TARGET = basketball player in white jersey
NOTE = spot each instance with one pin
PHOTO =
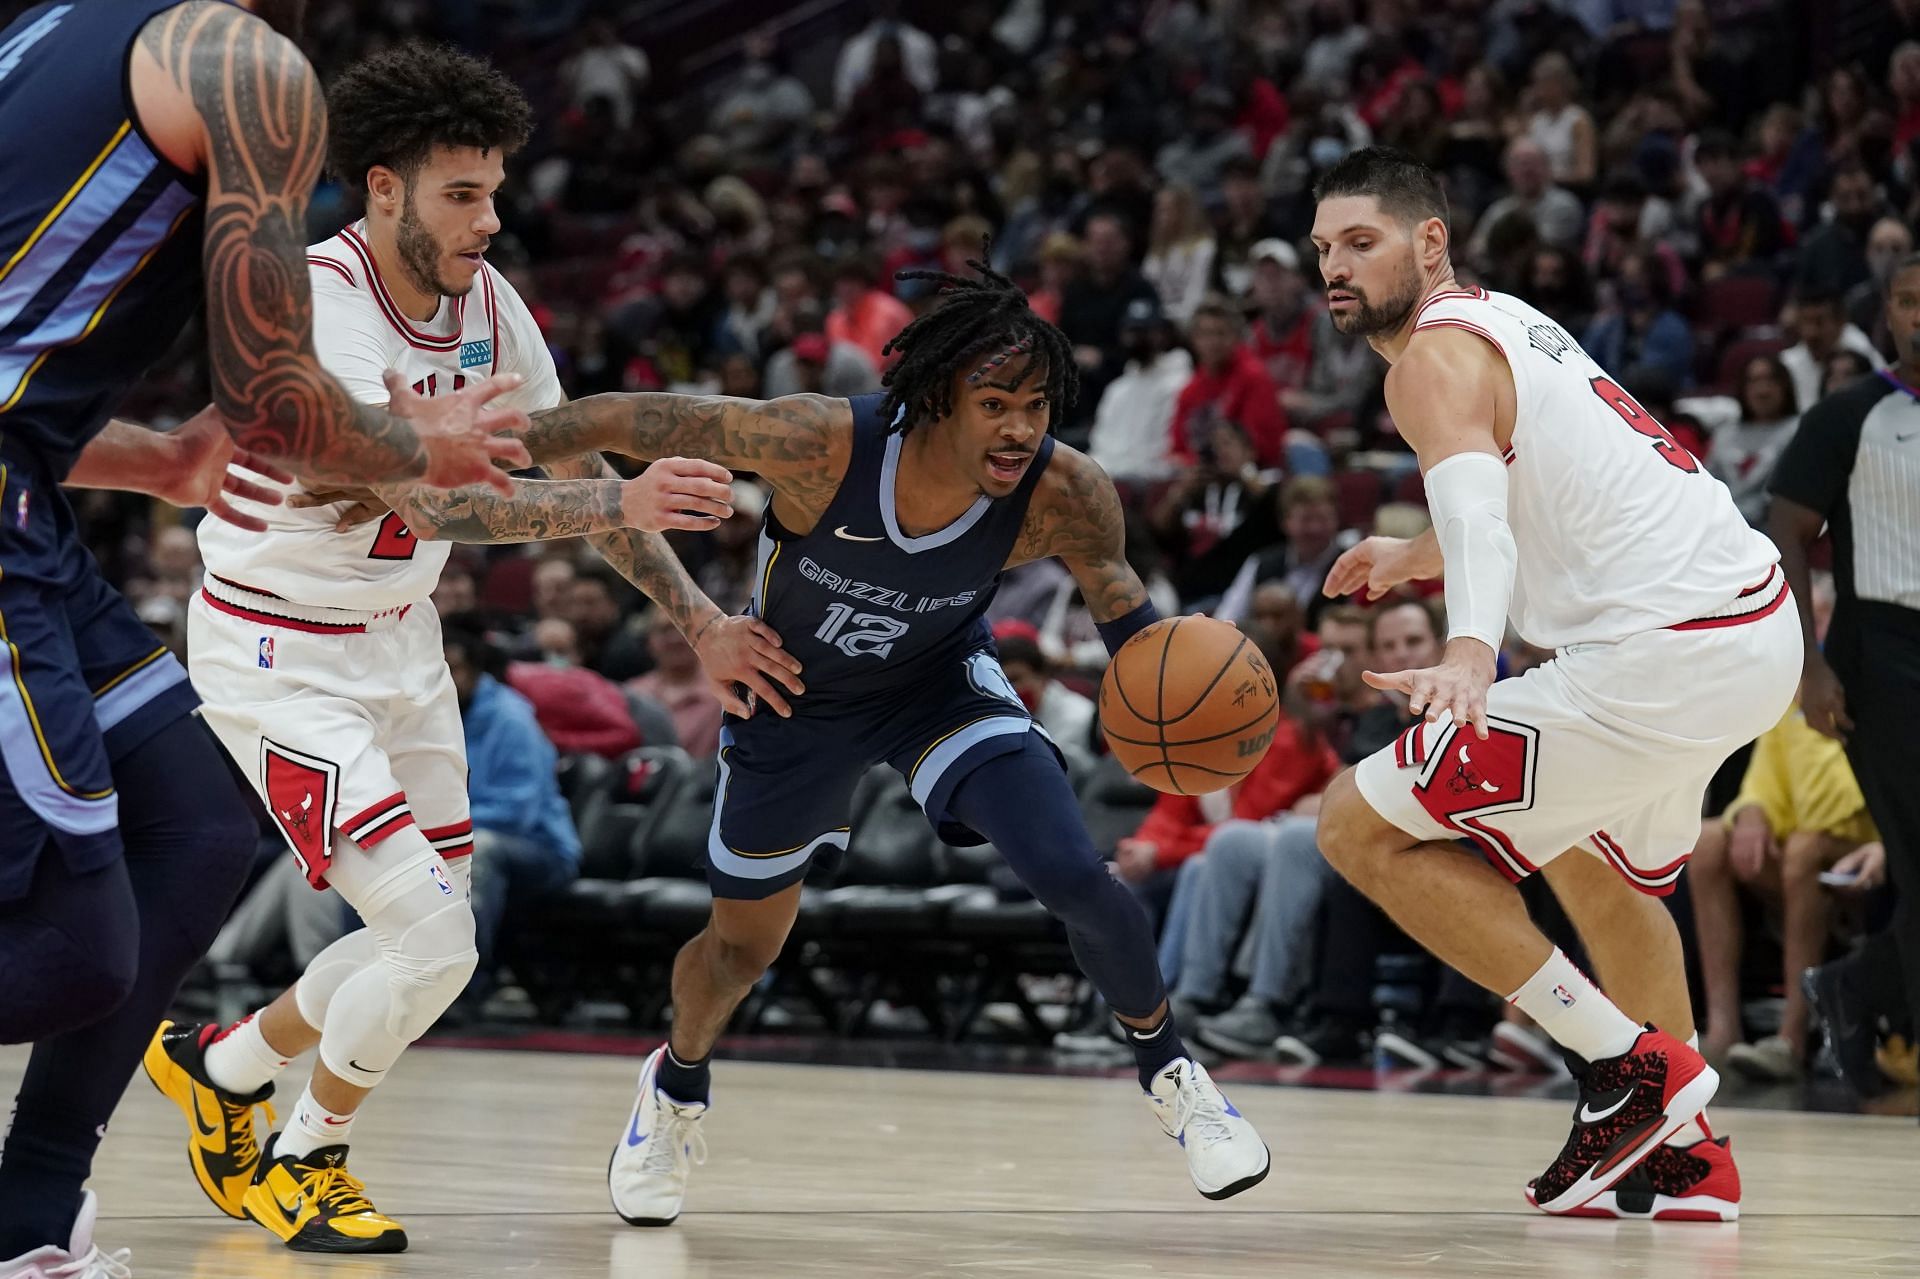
(319, 657)
(1561, 507)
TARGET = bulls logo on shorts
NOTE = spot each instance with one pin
(300, 791)
(1465, 782)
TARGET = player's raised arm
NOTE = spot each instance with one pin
(1076, 517)
(247, 104)
(798, 442)
(1448, 392)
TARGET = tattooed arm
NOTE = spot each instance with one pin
(733, 650)
(1075, 515)
(797, 443)
(224, 95)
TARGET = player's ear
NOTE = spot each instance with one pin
(1433, 242)
(385, 189)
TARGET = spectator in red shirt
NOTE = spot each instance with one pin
(864, 315)
(1229, 382)
(1282, 333)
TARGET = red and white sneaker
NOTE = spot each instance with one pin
(1674, 1183)
(1628, 1106)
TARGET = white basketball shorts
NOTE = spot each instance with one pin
(343, 721)
(1607, 747)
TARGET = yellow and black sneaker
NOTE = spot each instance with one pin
(222, 1147)
(315, 1205)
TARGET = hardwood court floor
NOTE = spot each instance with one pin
(495, 1162)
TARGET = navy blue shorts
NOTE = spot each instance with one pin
(786, 785)
(86, 682)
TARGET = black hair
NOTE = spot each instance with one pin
(1019, 649)
(1819, 293)
(1906, 262)
(394, 107)
(986, 316)
(1405, 188)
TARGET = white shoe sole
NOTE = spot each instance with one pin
(1686, 1105)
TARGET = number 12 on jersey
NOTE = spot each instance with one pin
(872, 635)
(1671, 450)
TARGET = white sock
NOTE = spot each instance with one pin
(241, 1060)
(1694, 1129)
(1573, 1011)
(311, 1127)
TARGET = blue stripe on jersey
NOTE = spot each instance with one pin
(57, 289)
(99, 191)
(81, 308)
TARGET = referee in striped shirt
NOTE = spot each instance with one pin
(1854, 467)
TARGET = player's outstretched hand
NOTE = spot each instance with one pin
(200, 474)
(1458, 684)
(745, 652)
(1378, 564)
(463, 433)
(1822, 700)
(678, 492)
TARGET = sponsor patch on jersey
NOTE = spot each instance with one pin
(472, 353)
(266, 652)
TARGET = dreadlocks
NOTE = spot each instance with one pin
(987, 319)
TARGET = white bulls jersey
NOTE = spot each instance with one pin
(1619, 529)
(359, 333)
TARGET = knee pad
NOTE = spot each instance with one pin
(428, 967)
(329, 970)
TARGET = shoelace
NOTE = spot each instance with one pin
(97, 1265)
(1201, 1111)
(338, 1189)
(238, 1115)
(677, 1145)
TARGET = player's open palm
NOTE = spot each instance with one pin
(744, 652)
(678, 493)
(465, 432)
(201, 474)
(1458, 685)
(1377, 564)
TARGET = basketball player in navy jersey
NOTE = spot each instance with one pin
(893, 517)
(155, 151)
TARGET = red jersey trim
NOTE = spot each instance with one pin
(395, 316)
(493, 320)
(314, 259)
(1469, 295)
(1447, 322)
(378, 822)
(1751, 599)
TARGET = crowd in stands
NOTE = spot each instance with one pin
(1707, 194)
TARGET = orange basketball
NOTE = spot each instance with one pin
(1189, 705)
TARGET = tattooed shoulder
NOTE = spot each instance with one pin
(1075, 511)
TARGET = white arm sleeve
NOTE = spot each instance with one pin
(1467, 494)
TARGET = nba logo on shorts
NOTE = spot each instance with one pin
(1564, 995)
(266, 652)
(440, 878)
(20, 510)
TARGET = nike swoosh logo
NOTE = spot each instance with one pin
(1902, 439)
(369, 1069)
(1590, 1116)
(854, 537)
(634, 1136)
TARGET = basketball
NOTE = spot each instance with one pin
(1189, 705)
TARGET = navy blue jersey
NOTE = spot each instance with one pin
(867, 609)
(99, 236)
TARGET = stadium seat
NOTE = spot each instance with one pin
(1114, 804)
(1357, 497)
(1734, 303)
(1734, 357)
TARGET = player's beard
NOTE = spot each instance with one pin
(420, 255)
(1369, 319)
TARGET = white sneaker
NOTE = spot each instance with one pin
(80, 1259)
(647, 1175)
(1224, 1154)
